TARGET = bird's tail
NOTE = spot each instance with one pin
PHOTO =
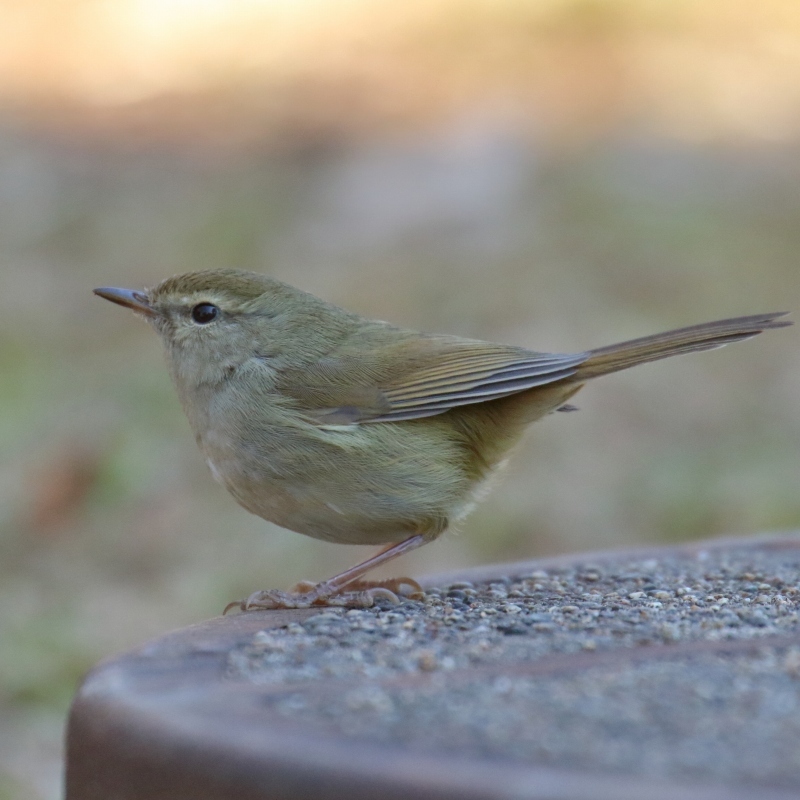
(707, 336)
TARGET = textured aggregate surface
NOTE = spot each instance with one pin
(585, 667)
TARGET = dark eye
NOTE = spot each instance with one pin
(203, 313)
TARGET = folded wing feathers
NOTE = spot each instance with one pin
(465, 377)
(423, 398)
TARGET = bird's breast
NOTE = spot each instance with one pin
(363, 484)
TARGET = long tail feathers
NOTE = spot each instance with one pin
(707, 336)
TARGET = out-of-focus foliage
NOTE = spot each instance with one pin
(558, 175)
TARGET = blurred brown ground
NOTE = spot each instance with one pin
(553, 174)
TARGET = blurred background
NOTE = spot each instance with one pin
(557, 174)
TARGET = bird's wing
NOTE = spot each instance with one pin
(424, 377)
(472, 377)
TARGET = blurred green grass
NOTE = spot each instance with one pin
(111, 529)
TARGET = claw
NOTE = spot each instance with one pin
(234, 604)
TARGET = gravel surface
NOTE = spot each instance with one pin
(586, 667)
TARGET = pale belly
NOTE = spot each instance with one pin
(359, 485)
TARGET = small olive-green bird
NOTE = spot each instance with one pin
(353, 430)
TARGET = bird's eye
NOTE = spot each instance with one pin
(203, 313)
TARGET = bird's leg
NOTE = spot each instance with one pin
(392, 584)
(335, 591)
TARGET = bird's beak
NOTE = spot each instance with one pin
(128, 298)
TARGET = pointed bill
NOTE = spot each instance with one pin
(128, 298)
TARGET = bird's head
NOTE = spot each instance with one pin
(214, 322)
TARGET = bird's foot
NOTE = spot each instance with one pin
(356, 594)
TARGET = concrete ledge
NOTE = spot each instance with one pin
(658, 673)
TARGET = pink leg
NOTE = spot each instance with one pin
(329, 592)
